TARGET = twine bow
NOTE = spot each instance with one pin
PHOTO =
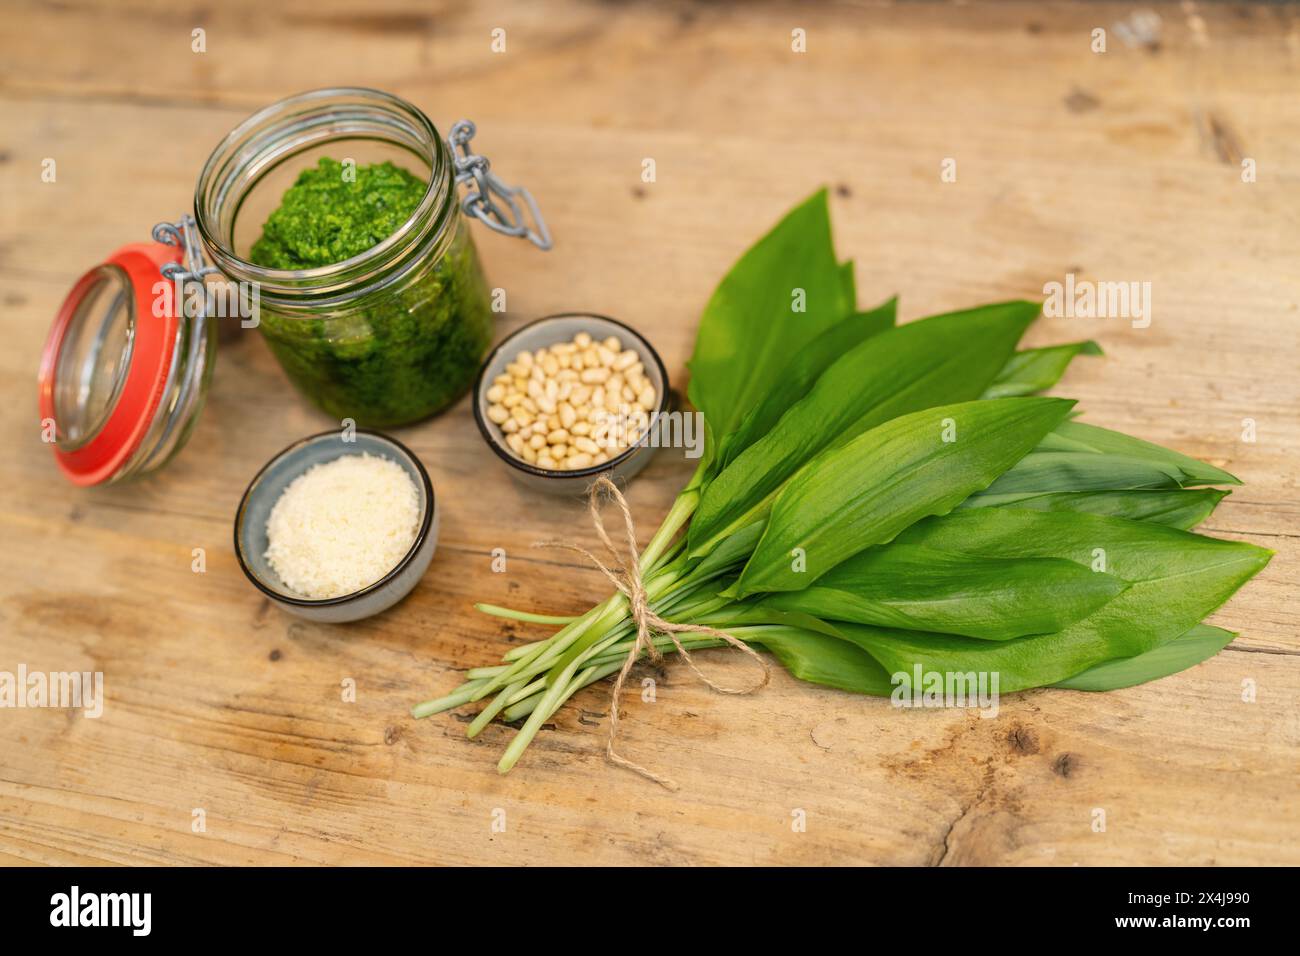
(627, 578)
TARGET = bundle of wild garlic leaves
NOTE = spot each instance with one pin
(881, 503)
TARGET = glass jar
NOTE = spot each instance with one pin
(387, 337)
(391, 335)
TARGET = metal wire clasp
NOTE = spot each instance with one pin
(480, 203)
(184, 233)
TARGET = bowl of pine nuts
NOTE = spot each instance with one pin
(570, 397)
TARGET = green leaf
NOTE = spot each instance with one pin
(872, 322)
(1036, 370)
(864, 493)
(1199, 644)
(1176, 579)
(943, 359)
(749, 332)
(1077, 437)
(924, 589)
(802, 372)
(732, 551)
(747, 614)
(849, 284)
(820, 659)
(1178, 507)
(1079, 457)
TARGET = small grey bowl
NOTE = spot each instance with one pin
(265, 490)
(549, 331)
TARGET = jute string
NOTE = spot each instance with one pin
(626, 576)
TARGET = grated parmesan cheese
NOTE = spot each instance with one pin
(342, 525)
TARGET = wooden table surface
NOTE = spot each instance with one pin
(1122, 165)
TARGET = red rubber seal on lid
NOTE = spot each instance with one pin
(153, 344)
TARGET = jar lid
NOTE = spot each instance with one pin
(107, 361)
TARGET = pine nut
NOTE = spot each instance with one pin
(573, 404)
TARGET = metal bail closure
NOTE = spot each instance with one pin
(109, 394)
(487, 188)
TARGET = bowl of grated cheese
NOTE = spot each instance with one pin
(338, 526)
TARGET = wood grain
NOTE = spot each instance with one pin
(1116, 166)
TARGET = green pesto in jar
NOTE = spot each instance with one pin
(397, 354)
